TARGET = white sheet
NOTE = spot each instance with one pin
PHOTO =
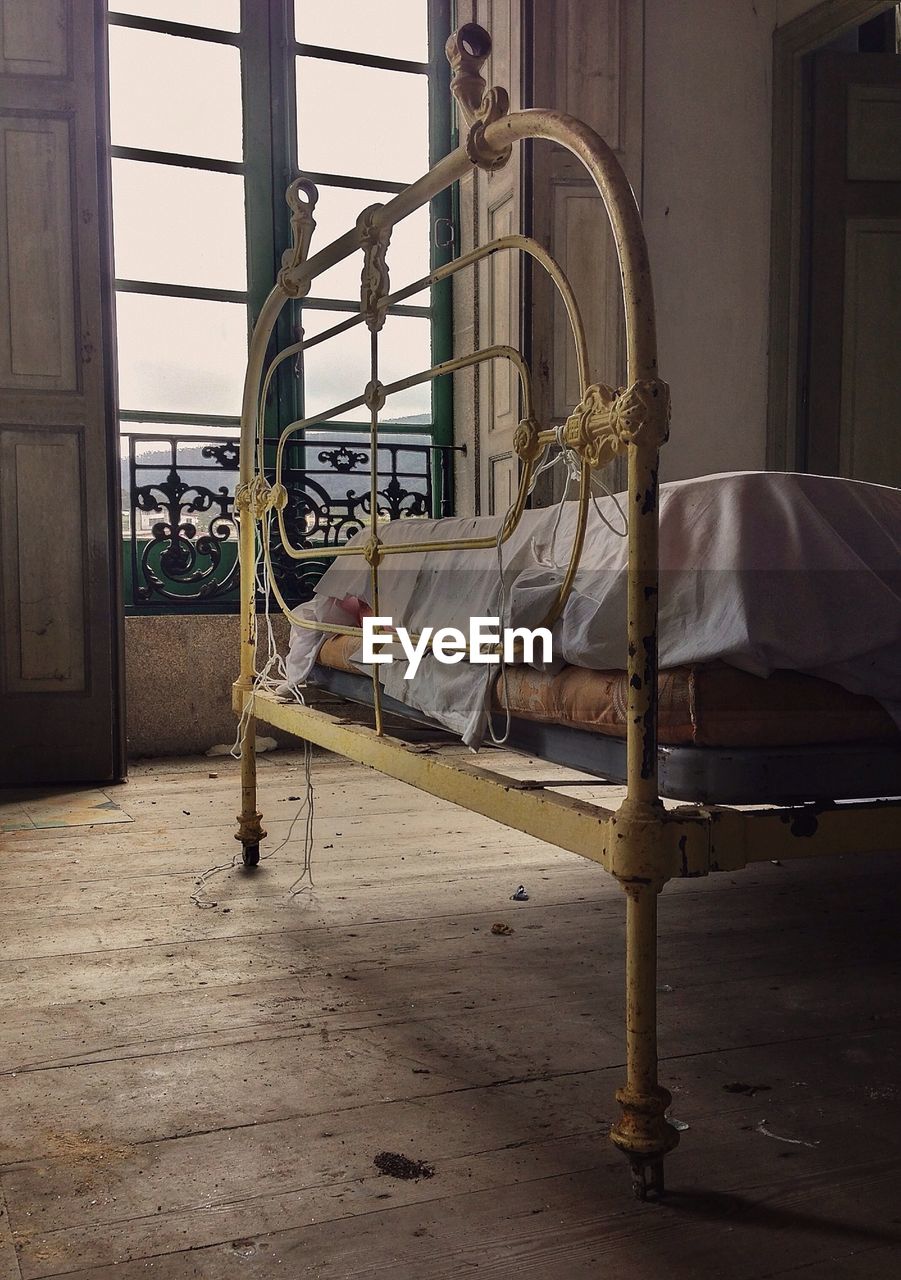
(763, 570)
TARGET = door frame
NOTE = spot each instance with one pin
(803, 35)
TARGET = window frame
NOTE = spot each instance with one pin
(268, 53)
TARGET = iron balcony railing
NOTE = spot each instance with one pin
(178, 518)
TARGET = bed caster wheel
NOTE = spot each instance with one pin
(251, 855)
(647, 1179)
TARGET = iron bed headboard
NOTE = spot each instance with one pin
(641, 843)
(604, 423)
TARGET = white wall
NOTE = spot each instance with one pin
(707, 152)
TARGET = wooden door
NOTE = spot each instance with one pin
(60, 666)
(852, 392)
(587, 60)
(500, 214)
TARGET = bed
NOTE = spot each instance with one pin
(804, 762)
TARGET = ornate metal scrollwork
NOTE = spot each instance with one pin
(495, 105)
(258, 496)
(375, 284)
(343, 459)
(301, 197)
(225, 454)
(526, 442)
(606, 421)
(177, 561)
(174, 563)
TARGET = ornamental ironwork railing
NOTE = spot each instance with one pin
(178, 519)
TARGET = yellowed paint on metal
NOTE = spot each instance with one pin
(641, 843)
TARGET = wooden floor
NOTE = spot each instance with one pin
(202, 1093)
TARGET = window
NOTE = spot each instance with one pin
(215, 106)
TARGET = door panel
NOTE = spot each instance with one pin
(853, 381)
(590, 65)
(34, 38)
(44, 593)
(579, 221)
(870, 422)
(874, 132)
(60, 639)
(37, 306)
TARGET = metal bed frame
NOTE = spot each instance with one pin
(642, 844)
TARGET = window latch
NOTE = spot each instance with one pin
(443, 233)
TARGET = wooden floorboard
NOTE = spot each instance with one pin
(202, 1093)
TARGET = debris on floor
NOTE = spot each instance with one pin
(738, 1086)
(245, 1248)
(796, 1142)
(397, 1166)
(502, 930)
(520, 895)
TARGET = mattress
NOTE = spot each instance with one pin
(761, 573)
(701, 704)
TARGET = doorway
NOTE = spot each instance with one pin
(835, 381)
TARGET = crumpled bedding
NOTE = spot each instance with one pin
(762, 570)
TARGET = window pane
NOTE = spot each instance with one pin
(408, 253)
(172, 94)
(362, 122)
(181, 355)
(222, 15)
(391, 28)
(179, 226)
(338, 370)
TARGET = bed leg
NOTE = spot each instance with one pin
(643, 1133)
(250, 830)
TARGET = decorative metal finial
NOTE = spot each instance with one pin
(467, 51)
(301, 197)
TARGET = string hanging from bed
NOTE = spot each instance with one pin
(572, 465)
(271, 676)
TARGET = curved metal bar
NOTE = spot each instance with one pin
(524, 244)
(641, 351)
(448, 366)
(497, 351)
(622, 211)
(554, 126)
(609, 178)
(295, 349)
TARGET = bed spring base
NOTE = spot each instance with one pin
(650, 845)
(698, 775)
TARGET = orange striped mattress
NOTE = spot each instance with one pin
(705, 705)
